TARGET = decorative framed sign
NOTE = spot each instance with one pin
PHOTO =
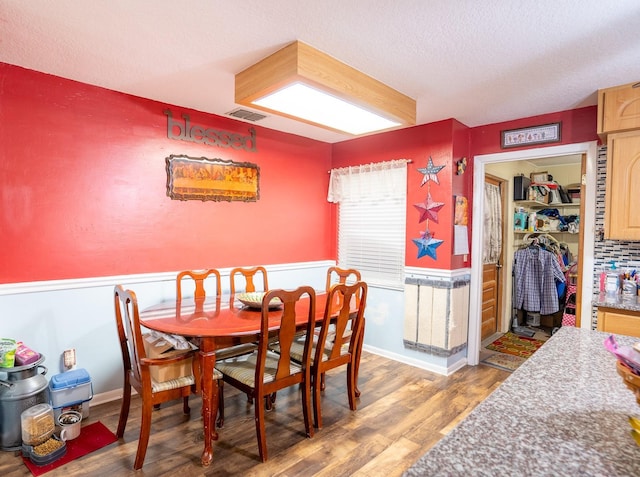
(533, 135)
(191, 178)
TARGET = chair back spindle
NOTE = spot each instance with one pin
(250, 275)
(198, 279)
(343, 276)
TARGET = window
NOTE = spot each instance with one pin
(372, 220)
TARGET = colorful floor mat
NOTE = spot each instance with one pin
(515, 345)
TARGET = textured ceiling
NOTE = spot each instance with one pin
(479, 61)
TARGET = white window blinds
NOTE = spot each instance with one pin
(372, 220)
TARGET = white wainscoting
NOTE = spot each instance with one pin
(53, 316)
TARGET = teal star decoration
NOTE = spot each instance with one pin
(430, 172)
(429, 209)
(427, 245)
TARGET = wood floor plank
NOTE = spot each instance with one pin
(403, 411)
(391, 461)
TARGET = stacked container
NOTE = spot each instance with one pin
(71, 391)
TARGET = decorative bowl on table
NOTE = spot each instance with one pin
(254, 300)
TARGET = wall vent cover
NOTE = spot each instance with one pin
(246, 114)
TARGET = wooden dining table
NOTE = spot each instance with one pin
(218, 322)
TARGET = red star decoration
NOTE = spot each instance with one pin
(429, 209)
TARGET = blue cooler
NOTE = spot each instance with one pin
(71, 391)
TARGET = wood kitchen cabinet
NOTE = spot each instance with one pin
(618, 109)
(622, 216)
(617, 321)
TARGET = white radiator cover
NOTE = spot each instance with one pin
(436, 315)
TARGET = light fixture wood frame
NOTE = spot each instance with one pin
(299, 62)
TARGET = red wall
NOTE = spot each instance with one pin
(417, 143)
(83, 184)
(578, 125)
(83, 188)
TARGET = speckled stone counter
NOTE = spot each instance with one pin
(620, 302)
(562, 413)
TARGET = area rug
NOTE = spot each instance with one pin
(515, 345)
(91, 438)
(507, 362)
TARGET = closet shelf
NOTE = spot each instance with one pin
(553, 232)
(541, 205)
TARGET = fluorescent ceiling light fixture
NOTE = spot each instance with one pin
(316, 106)
(302, 83)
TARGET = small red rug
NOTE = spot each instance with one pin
(91, 438)
(507, 362)
(515, 345)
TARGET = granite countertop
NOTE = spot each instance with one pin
(621, 302)
(562, 413)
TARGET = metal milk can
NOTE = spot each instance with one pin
(21, 387)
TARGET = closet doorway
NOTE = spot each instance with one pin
(585, 240)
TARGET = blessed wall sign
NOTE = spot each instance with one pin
(184, 130)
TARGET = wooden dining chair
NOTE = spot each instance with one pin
(345, 276)
(250, 275)
(137, 371)
(338, 342)
(264, 372)
(198, 280)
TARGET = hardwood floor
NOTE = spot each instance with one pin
(402, 412)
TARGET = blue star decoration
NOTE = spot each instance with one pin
(430, 172)
(427, 245)
(429, 209)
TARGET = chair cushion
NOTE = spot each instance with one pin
(179, 382)
(172, 383)
(243, 368)
(297, 350)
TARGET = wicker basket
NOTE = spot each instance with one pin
(630, 379)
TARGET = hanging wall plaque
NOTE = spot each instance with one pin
(190, 178)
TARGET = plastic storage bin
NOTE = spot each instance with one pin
(37, 424)
(70, 388)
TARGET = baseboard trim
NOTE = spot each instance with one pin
(416, 363)
(109, 396)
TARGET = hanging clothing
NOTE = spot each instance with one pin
(536, 271)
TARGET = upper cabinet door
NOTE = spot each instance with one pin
(622, 216)
(618, 109)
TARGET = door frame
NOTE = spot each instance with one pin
(588, 223)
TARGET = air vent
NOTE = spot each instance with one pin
(246, 114)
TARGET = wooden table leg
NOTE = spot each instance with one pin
(209, 388)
